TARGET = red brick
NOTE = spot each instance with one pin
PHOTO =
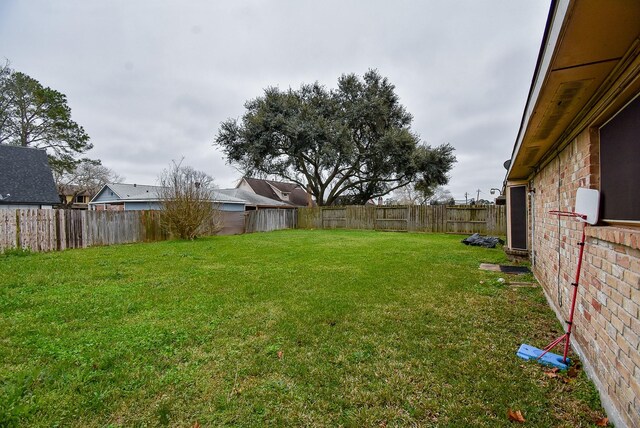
(607, 332)
(625, 374)
(616, 297)
(635, 359)
(632, 279)
(623, 345)
(631, 336)
(635, 387)
(631, 307)
(612, 281)
(624, 317)
(617, 323)
(613, 334)
(623, 261)
(624, 290)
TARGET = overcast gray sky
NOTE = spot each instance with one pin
(150, 81)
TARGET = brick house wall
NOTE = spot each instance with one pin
(606, 324)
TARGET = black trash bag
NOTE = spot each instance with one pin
(482, 241)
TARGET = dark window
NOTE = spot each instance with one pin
(80, 199)
(620, 165)
(518, 217)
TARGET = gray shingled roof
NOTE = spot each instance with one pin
(254, 199)
(135, 192)
(142, 192)
(297, 195)
(26, 176)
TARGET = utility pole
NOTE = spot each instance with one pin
(466, 200)
(478, 195)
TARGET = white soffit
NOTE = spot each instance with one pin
(555, 27)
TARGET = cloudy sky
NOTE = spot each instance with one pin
(150, 81)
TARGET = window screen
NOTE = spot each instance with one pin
(518, 217)
(620, 165)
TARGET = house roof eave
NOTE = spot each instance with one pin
(557, 13)
(587, 47)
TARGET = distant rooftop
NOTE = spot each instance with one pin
(253, 199)
(297, 195)
(143, 192)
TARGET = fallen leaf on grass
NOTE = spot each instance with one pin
(553, 373)
(196, 425)
(602, 422)
(515, 416)
(572, 372)
(280, 354)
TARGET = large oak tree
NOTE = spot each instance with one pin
(346, 145)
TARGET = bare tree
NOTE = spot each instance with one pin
(89, 176)
(187, 198)
(409, 195)
(442, 196)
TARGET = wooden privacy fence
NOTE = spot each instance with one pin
(50, 230)
(269, 220)
(486, 219)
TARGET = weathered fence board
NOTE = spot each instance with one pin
(395, 219)
(359, 217)
(270, 219)
(309, 218)
(488, 219)
(334, 218)
(51, 230)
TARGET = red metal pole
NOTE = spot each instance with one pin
(575, 295)
(567, 335)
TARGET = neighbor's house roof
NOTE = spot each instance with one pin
(70, 189)
(584, 48)
(120, 192)
(26, 176)
(297, 195)
(253, 199)
(143, 193)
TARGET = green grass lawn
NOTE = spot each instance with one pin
(289, 328)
